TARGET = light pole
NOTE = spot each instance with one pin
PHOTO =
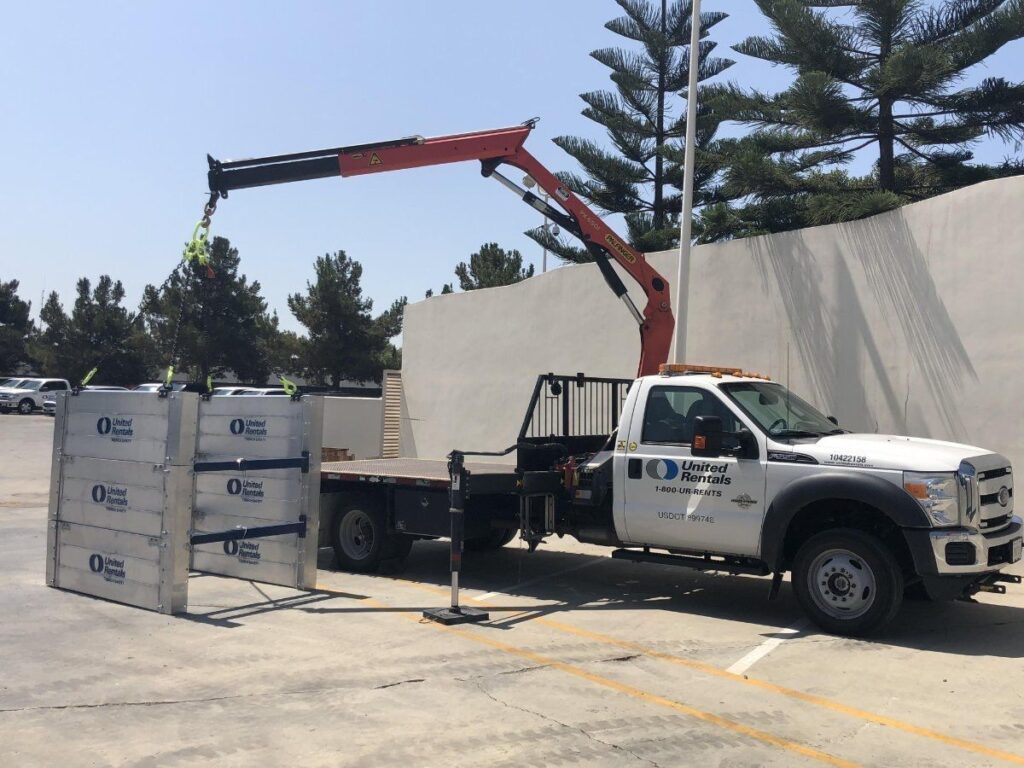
(549, 227)
(686, 218)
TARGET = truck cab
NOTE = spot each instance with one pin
(733, 468)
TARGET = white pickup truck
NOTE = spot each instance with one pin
(28, 395)
(717, 470)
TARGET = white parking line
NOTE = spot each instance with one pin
(766, 647)
(545, 577)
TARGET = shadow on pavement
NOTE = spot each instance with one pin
(574, 582)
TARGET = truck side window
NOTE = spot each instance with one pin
(57, 386)
(670, 413)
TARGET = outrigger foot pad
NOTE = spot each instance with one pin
(449, 615)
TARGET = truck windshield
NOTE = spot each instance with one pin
(778, 411)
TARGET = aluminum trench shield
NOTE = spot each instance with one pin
(120, 497)
(258, 428)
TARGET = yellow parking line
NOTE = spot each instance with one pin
(810, 698)
(638, 693)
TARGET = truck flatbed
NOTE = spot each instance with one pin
(486, 477)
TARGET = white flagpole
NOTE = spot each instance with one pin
(686, 218)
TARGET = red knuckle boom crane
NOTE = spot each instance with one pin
(494, 148)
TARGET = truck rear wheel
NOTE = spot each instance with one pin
(847, 582)
(495, 539)
(360, 538)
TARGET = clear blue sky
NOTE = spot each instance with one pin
(110, 108)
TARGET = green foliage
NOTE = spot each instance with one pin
(491, 266)
(881, 76)
(288, 352)
(446, 288)
(99, 333)
(222, 321)
(345, 340)
(16, 328)
(641, 174)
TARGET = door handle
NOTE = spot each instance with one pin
(633, 469)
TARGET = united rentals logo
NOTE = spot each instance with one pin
(248, 552)
(251, 491)
(110, 568)
(249, 429)
(113, 497)
(688, 471)
(119, 429)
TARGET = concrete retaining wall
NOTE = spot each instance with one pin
(908, 322)
(353, 423)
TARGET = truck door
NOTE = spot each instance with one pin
(671, 498)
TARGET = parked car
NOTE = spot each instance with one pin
(155, 386)
(227, 391)
(11, 383)
(28, 395)
(261, 391)
(50, 398)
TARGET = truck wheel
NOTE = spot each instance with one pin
(360, 538)
(26, 406)
(496, 539)
(847, 582)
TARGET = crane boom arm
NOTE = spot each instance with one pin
(492, 148)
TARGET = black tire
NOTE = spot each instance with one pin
(847, 582)
(360, 538)
(26, 406)
(495, 539)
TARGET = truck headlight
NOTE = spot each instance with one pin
(938, 495)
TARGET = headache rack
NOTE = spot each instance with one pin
(577, 411)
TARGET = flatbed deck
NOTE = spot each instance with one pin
(485, 476)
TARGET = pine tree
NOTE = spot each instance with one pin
(211, 325)
(878, 77)
(491, 266)
(345, 340)
(641, 174)
(98, 333)
(16, 328)
(446, 288)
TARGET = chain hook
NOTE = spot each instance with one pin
(196, 248)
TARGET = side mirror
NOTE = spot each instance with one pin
(707, 436)
(834, 420)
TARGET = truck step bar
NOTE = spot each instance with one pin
(691, 561)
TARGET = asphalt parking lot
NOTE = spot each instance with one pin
(585, 661)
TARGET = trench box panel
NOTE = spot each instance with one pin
(131, 426)
(233, 428)
(253, 427)
(120, 497)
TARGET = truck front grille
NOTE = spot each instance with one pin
(994, 523)
(996, 492)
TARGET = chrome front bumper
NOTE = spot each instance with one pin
(961, 551)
